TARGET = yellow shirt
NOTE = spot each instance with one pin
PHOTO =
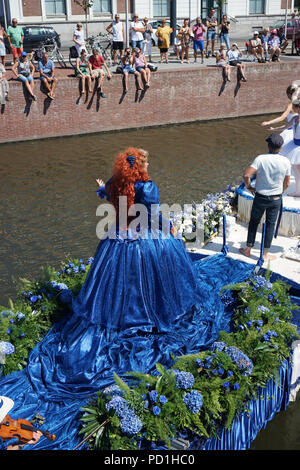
(164, 34)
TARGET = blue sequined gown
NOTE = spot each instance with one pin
(143, 301)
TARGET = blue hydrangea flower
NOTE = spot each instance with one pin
(214, 372)
(90, 260)
(249, 323)
(218, 346)
(119, 405)
(193, 401)
(6, 348)
(229, 373)
(33, 299)
(221, 371)
(226, 385)
(236, 386)
(82, 268)
(262, 309)
(11, 321)
(240, 359)
(184, 380)
(153, 395)
(146, 404)
(163, 399)
(131, 424)
(20, 315)
(113, 390)
(199, 363)
(156, 410)
(75, 269)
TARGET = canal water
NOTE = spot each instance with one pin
(48, 200)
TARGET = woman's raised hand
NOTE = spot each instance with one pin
(100, 182)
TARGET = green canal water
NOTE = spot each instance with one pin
(48, 200)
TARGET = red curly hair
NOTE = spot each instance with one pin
(124, 176)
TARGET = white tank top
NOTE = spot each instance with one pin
(117, 30)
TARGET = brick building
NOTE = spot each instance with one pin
(64, 14)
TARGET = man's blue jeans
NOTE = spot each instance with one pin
(270, 204)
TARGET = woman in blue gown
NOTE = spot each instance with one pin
(142, 302)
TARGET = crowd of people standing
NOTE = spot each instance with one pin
(263, 46)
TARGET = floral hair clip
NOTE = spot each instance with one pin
(131, 160)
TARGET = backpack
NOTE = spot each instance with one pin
(38, 55)
(73, 52)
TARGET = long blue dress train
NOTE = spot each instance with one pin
(143, 301)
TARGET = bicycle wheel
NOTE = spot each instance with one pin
(61, 59)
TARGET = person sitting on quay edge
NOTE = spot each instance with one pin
(97, 61)
(235, 60)
(141, 66)
(47, 75)
(4, 87)
(255, 47)
(272, 179)
(264, 36)
(274, 46)
(84, 72)
(127, 61)
(198, 39)
(221, 61)
(24, 70)
(283, 40)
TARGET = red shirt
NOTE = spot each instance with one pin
(96, 61)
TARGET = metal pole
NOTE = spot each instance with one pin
(4, 14)
(286, 15)
(126, 23)
(173, 19)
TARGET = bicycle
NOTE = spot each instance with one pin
(50, 46)
(103, 43)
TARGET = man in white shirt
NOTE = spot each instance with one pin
(137, 29)
(272, 172)
(116, 28)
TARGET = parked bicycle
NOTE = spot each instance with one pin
(51, 47)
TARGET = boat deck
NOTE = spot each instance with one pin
(236, 238)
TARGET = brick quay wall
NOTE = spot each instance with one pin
(175, 96)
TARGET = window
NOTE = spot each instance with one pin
(161, 8)
(102, 6)
(55, 7)
(257, 7)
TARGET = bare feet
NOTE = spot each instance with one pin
(245, 251)
(267, 256)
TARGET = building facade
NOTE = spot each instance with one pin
(64, 14)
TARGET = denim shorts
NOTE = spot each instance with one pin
(24, 79)
(128, 69)
(211, 35)
(198, 45)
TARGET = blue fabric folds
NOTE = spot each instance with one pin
(143, 301)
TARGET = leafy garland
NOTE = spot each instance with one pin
(201, 392)
(37, 306)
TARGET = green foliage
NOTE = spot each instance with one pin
(38, 305)
(262, 331)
